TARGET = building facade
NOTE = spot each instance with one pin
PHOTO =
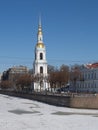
(13, 72)
(40, 63)
(17, 70)
(89, 82)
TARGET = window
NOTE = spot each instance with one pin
(41, 70)
(41, 56)
(92, 76)
(95, 75)
(85, 76)
(88, 76)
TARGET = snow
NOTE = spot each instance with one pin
(24, 114)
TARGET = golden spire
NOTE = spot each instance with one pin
(39, 27)
(40, 35)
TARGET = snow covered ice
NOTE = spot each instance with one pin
(24, 114)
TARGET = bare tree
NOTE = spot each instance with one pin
(38, 78)
(58, 77)
(24, 82)
(63, 75)
(6, 84)
(75, 74)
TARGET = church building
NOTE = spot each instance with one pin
(40, 62)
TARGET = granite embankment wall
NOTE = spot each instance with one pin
(76, 101)
(85, 102)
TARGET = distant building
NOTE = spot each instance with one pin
(11, 73)
(17, 70)
(89, 82)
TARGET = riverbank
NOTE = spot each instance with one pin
(83, 101)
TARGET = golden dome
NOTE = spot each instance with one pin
(40, 33)
(40, 45)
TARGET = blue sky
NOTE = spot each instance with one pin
(70, 31)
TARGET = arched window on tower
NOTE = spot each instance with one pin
(41, 70)
(41, 56)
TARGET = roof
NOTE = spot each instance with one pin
(94, 65)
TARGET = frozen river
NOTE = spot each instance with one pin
(23, 114)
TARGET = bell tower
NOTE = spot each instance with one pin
(40, 62)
